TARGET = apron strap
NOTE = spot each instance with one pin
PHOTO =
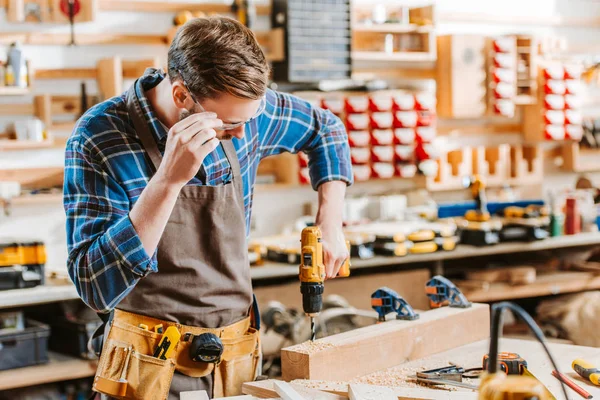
(234, 163)
(135, 112)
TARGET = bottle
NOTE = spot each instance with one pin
(9, 76)
(24, 77)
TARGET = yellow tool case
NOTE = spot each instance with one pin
(21, 264)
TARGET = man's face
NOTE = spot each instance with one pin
(230, 110)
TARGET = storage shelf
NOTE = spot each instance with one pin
(60, 368)
(397, 57)
(392, 28)
(48, 293)
(13, 91)
(14, 145)
(37, 199)
(544, 285)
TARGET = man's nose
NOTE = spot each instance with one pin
(238, 132)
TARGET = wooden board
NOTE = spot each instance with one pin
(513, 275)
(173, 6)
(266, 389)
(63, 39)
(356, 290)
(110, 77)
(370, 392)
(362, 351)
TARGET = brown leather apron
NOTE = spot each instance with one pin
(203, 276)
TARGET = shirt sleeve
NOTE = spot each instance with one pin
(106, 257)
(290, 124)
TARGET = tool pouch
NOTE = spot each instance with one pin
(126, 370)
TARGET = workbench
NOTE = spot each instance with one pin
(467, 356)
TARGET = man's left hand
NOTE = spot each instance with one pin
(335, 251)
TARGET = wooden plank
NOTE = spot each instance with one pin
(173, 6)
(135, 69)
(84, 39)
(370, 392)
(286, 391)
(533, 20)
(9, 110)
(43, 108)
(14, 145)
(13, 91)
(545, 285)
(266, 389)
(513, 275)
(66, 73)
(356, 290)
(360, 352)
(194, 395)
(59, 368)
(34, 178)
(394, 73)
(110, 77)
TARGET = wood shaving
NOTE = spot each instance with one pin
(311, 347)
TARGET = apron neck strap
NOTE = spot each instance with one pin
(234, 162)
(141, 127)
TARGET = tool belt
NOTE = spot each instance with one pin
(128, 370)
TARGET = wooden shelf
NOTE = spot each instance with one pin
(13, 91)
(63, 39)
(172, 6)
(51, 292)
(545, 285)
(524, 99)
(60, 368)
(392, 28)
(14, 145)
(271, 270)
(576, 159)
(37, 199)
(395, 57)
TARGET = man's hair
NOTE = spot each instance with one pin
(218, 55)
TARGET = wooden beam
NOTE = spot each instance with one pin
(84, 39)
(34, 178)
(43, 108)
(266, 389)
(362, 351)
(172, 6)
(110, 77)
(286, 391)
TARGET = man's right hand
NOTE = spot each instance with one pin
(188, 142)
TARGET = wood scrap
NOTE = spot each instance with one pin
(266, 390)
(286, 391)
(362, 351)
(513, 275)
(194, 395)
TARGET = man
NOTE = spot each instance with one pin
(158, 195)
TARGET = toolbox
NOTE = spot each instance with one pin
(21, 253)
(71, 336)
(19, 277)
(23, 348)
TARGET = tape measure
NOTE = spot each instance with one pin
(510, 363)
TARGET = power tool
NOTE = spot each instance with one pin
(384, 300)
(478, 227)
(312, 273)
(442, 292)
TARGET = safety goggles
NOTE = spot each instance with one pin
(225, 127)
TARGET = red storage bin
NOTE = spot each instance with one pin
(404, 153)
(380, 102)
(554, 102)
(382, 153)
(504, 91)
(572, 102)
(573, 117)
(502, 60)
(405, 119)
(505, 75)
(555, 132)
(359, 138)
(406, 170)
(429, 167)
(554, 117)
(574, 132)
(555, 86)
(403, 102)
(356, 104)
(572, 71)
(504, 107)
(303, 159)
(383, 170)
(357, 122)
(573, 86)
(425, 118)
(360, 155)
(425, 134)
(426, 151)
(382, 120)
(382, 137)
(361, 172)
(504, 45)
(425, 101)
(554, 72)
(304, 176)
(335, 104)
(404, 135)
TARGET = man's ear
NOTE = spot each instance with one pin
(181, 97)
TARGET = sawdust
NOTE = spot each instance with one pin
(310, 347)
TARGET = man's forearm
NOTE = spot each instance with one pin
(151, 212)
(331, 203)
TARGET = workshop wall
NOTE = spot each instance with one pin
(269, 216)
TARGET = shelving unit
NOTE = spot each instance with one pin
(14, 145)
(396, 57)
(577, 159)
(51, 292)
(392, 28)
(13, 91)
(37, 199)
(59, 367)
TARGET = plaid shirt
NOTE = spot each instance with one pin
(106, 170)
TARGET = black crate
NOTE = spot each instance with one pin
(19, 277)
(25, 347)
(71, 336)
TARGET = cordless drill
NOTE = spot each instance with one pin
(312, 273)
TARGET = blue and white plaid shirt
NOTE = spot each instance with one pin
(106, 170)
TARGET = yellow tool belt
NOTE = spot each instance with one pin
(127, 369)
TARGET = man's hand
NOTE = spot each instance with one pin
(329, 220)
(189, 141)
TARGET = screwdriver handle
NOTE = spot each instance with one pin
(587, 370)
(345, 268)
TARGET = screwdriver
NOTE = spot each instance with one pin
(587, 370)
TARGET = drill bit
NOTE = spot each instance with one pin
(312, 329)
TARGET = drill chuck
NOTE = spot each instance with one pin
(312, 297)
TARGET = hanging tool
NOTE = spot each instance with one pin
(71, 8)
(587, 371)
(167, 343)
(384, 300)
(442, 292)
(500, 386)
(312, 273)
(510, 363)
